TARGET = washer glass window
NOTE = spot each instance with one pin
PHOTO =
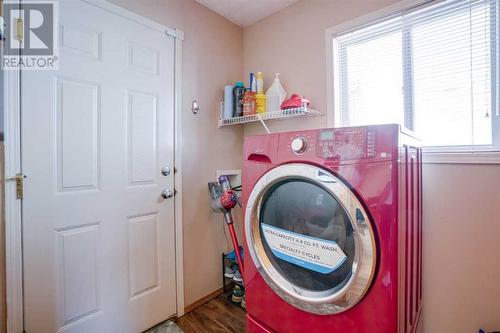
(310, 238)
(306, 209)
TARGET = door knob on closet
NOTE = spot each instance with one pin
(167, 194)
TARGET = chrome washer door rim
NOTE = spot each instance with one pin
(363, 266)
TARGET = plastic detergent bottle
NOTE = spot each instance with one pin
(275, 95)
(260, 103)
(238, 92)
(260, 83)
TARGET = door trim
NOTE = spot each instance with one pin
(13, 231)
(179, 246)
(12, 142)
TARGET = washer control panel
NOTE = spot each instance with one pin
(348, 144)
(299, 145)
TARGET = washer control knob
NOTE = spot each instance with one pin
(299, 145)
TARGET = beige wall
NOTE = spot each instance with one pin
(292, 42)
(461, 248)
(212, 57)
(461, 206)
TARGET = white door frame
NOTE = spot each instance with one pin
(13, 166)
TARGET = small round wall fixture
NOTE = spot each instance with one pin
(195, 107)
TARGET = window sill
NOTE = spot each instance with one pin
(433, 156)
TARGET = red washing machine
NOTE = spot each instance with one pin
(333, 225)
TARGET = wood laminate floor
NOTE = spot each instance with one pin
(217, 316)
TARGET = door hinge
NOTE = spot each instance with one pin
(19, 179)
(20, 30)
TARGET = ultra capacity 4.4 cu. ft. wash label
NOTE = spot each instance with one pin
(316, 254)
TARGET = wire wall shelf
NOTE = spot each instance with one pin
(299, 112)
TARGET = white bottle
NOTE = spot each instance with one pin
(275, 95)
(228, 102)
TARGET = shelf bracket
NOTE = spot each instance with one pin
(263, 124)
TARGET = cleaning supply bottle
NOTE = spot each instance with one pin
(260, 103)
(248, 103)
(260, 83)
(252, 83)
(228, 102)
(238, 92)
(275, 95)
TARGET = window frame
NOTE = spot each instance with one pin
(469, 154)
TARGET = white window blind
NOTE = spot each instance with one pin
(433, 69)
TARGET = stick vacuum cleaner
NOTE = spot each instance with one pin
(223, 200)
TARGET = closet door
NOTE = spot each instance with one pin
(98, 237)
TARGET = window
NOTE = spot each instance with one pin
(433, 69)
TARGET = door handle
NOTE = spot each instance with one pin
(167, 194)
(19, 179)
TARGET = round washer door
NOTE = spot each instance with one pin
(310, 238)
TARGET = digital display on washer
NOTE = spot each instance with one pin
(297, 216)
(326, 135)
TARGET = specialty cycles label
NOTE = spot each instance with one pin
(316, 254)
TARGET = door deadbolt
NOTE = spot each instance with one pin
(165, 171)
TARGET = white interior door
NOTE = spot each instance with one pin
(98, 239)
